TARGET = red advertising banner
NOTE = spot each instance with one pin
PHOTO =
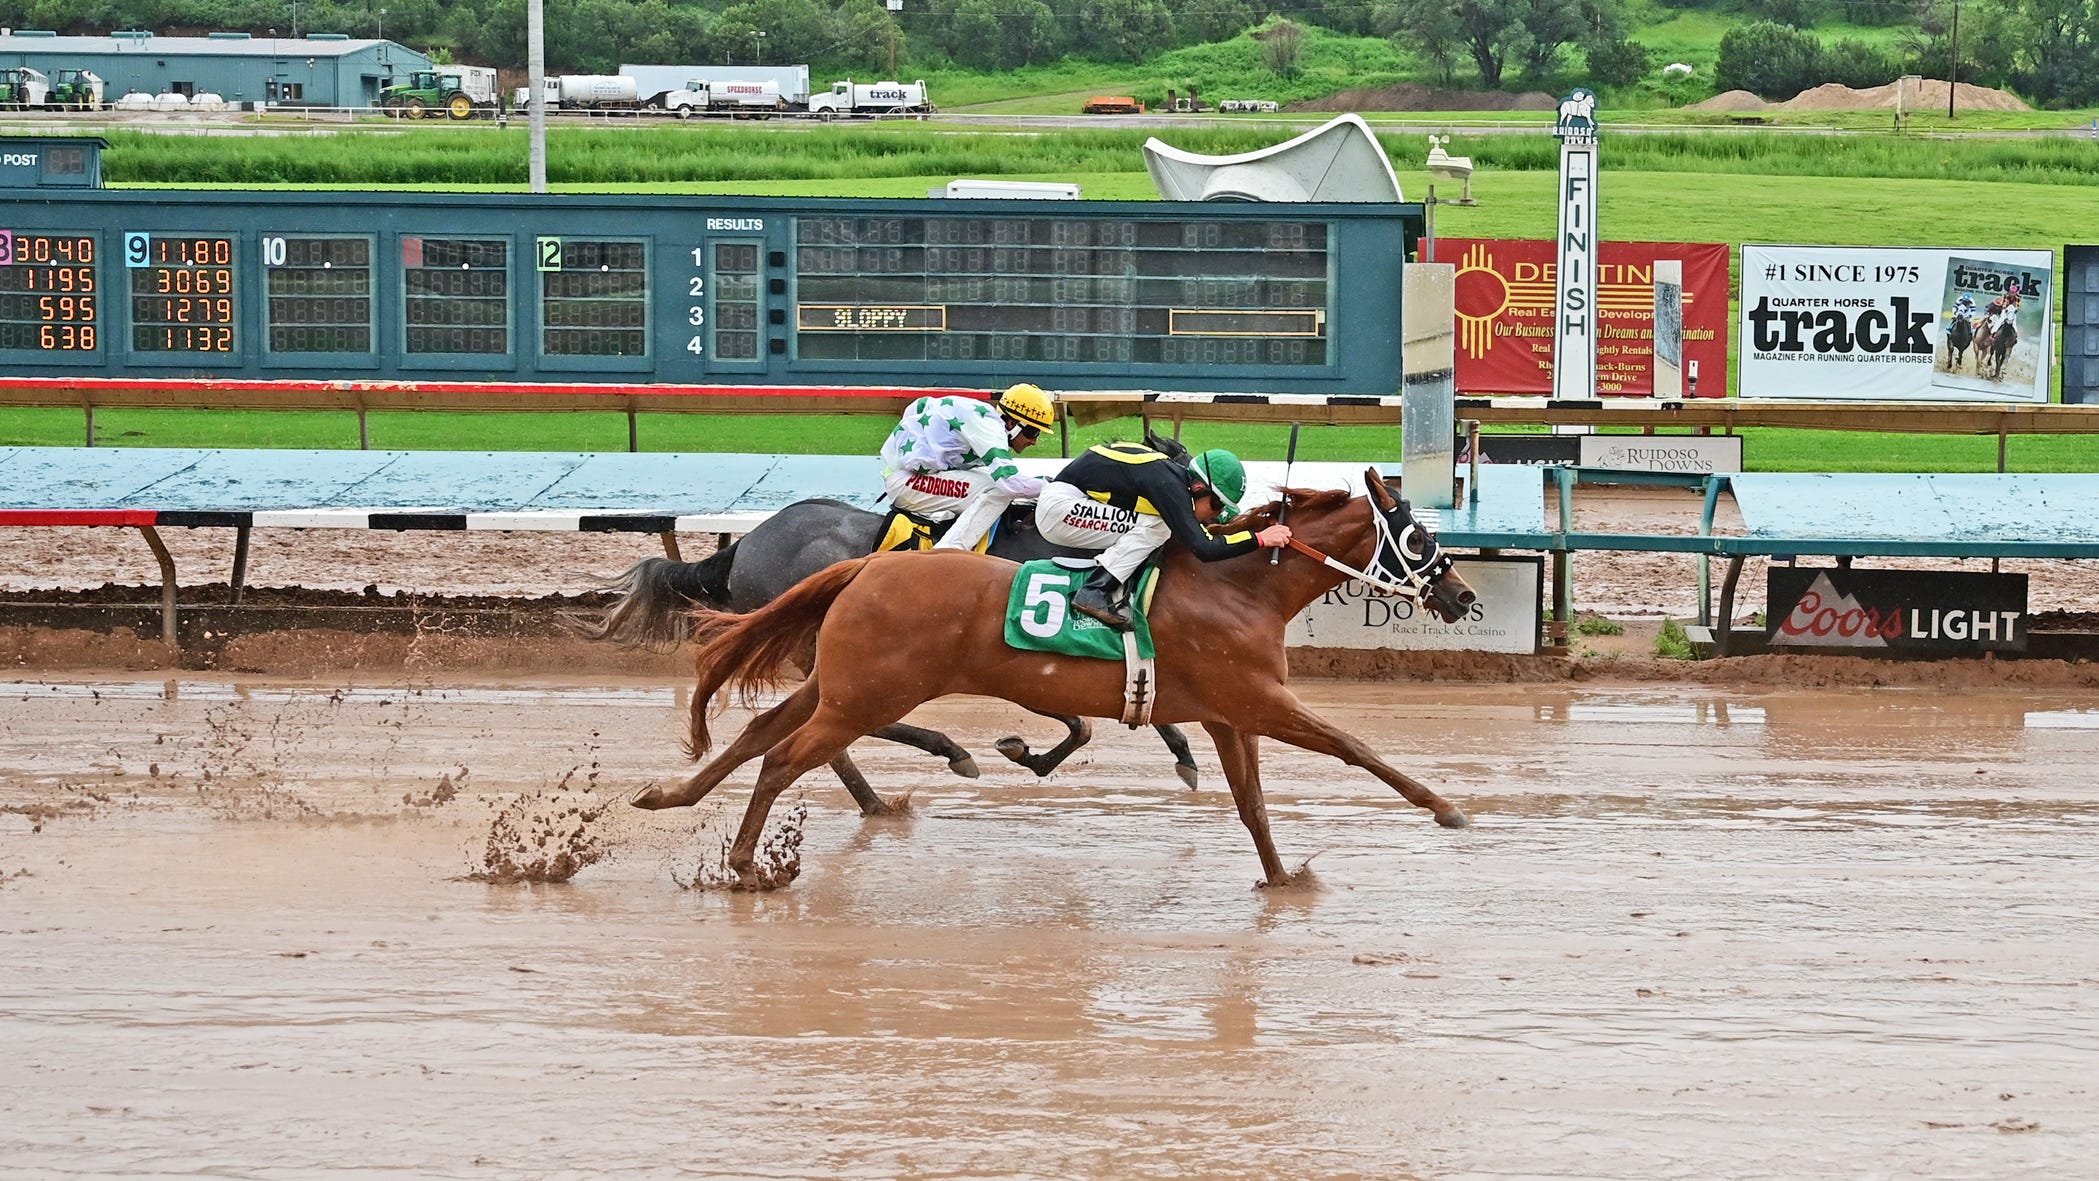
(1505, 321)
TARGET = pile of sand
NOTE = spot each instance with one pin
(1731, 100)
(1412, 96)
(1916, 94)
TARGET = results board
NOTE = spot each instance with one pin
(713, 291)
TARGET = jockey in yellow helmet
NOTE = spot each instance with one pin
(951, 458)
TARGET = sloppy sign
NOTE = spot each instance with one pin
(1506, 617)
(1897, 612)
(1506, 322)
(1896, 324)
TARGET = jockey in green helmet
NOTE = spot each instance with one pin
(1221, 472)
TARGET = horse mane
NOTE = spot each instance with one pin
(1301, 500)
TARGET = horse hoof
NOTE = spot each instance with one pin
(966, 766)
(650, 798)
(1013, 747)
(1187, 773)
(896, 805)
(1453, 819)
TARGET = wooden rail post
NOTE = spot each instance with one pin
(240, 562)
(167, 582)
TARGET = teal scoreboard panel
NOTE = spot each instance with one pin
(704, 290)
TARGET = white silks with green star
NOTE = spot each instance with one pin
(949, 433)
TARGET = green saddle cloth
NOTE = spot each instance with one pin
(1039, 617)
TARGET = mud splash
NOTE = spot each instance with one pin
(778, 861)
(539, 839)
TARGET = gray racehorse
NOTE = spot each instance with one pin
(655, 594)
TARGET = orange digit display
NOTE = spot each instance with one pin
(47, 293)
(182, 296)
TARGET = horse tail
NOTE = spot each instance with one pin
(655, 597)
(753, 650)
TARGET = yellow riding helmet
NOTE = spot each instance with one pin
(1028, 404)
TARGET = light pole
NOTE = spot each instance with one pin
(382, 24)
(758, 35)
(1953, 67)
(295, 20)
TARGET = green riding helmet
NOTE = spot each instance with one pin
(1225, 475)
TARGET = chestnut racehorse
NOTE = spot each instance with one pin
(895, 630)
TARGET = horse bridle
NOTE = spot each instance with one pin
(1413, 577)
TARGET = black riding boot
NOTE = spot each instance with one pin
(1102, 598)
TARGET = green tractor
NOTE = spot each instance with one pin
(21, 87)
(79, 90)
(459, 91)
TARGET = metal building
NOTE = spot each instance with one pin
(321, 69)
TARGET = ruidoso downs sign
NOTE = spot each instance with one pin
(1897, 612)
(1896, 324)
(1505, 619)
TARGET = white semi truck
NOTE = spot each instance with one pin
(881, 98)
(759, 100)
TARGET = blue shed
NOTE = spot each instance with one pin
(319, 70)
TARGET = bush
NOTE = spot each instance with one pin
(1798, 14)
(1618, 61)
(1768, 59)
(1672, 643)
(1855, 63)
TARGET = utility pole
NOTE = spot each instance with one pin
(1953, 68)
(895, 6)
(536, 87)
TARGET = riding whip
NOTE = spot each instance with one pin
(1282, 505)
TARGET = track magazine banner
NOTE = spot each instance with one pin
(1896, 324)
(1506, 323)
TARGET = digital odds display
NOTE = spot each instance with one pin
(703, 292)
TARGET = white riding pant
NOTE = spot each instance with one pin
(967, 496)
(1065, 515)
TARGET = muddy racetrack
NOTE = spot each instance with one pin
(247, 928)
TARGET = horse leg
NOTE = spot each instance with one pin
(933, 742)
(757, 738)
(1183, 758)
(864, 795)
(1242, 770)
(1288, 720)
(815, 743)
(1078, 732)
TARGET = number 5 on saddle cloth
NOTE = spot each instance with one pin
(1039, 618)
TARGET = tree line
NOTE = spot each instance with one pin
(2046, 50)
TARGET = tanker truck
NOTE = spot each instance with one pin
(753, 100)
(594, 92)
(882, 98)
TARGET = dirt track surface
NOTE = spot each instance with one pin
(1694, 932)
